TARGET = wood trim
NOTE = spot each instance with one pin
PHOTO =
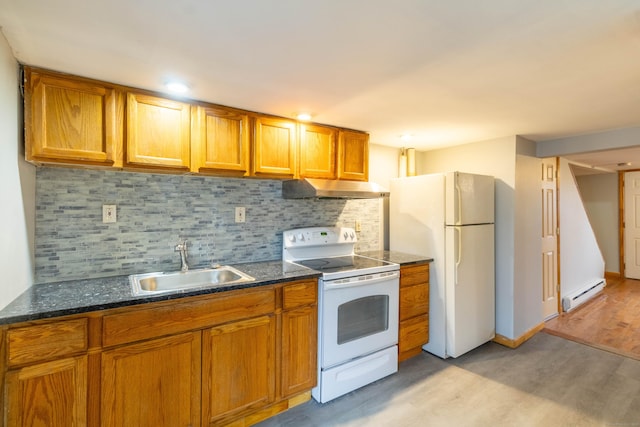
(3, 369)
(558, 236)
(612, 275)
(621, 266)
(515, 343)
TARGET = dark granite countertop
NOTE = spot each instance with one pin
(80, 296)
(397, 257)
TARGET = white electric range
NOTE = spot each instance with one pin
(357, 309)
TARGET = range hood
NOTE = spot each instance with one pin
(309, 188)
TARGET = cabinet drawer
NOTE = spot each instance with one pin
(413, 333)
(300, 293)
(36, 343)
(414, 274)
(414, 300)
(196, 313)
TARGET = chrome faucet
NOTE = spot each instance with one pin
(182, 247)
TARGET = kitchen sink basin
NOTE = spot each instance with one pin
(153, 283)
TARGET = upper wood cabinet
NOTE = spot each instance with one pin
(76, 121)
(274, 148)
(158, 133)
(71, 120)
(318, 151)
(353, 156)
(219, 141)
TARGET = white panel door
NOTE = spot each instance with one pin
(550, 282)
(632, 225)
(470, 288)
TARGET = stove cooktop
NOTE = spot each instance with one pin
(346, 266)
(330, 250)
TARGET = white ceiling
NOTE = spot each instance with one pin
(448, 72)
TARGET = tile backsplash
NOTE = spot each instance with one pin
(154, 211)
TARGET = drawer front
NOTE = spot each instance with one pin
(413, 333)
(414, 301)
(29, 344)
(414, 274)
(198, 312)
(299, 294)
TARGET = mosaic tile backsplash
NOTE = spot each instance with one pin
(154, 211)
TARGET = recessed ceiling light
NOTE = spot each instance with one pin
(303, 116)
(177, 87)
(406, 137)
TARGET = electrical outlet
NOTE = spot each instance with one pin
(109, 214)
(240, 214)
(358, 225)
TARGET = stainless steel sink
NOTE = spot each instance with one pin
(153, 283)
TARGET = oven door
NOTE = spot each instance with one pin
(359, 316)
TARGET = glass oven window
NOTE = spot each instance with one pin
(362, 317)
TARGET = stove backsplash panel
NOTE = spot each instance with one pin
(154, 211)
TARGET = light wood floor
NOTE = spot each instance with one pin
(610, 321)
(546, 382)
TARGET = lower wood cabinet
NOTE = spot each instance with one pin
(414, 310)
(52, 394)
(152, 383)
(235, 357)
(299, 344)
(249, 346)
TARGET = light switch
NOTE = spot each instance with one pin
(240, 214)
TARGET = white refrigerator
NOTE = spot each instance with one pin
(450, 218)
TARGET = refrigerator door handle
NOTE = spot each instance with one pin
(458, 208)
(458, 234)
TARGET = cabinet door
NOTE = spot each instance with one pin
(154, 383)
(220, 142)
(238, 368)
(353, 156)
(52, 394)
(318, 152)
(299, 345)
(71, 120)
(414, 310)
(414, 300)
(274, 147)
(158, 133)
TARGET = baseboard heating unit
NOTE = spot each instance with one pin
(579, 297)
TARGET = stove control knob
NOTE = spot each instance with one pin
(352, 235)
(346, 235)
(301, 237)
(292, 238)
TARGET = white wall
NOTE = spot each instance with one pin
(608, 140)
(600, 197)
(581, 263)
(383, 165)
(528, 245)
(17, 187)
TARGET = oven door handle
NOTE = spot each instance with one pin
(353, 282)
